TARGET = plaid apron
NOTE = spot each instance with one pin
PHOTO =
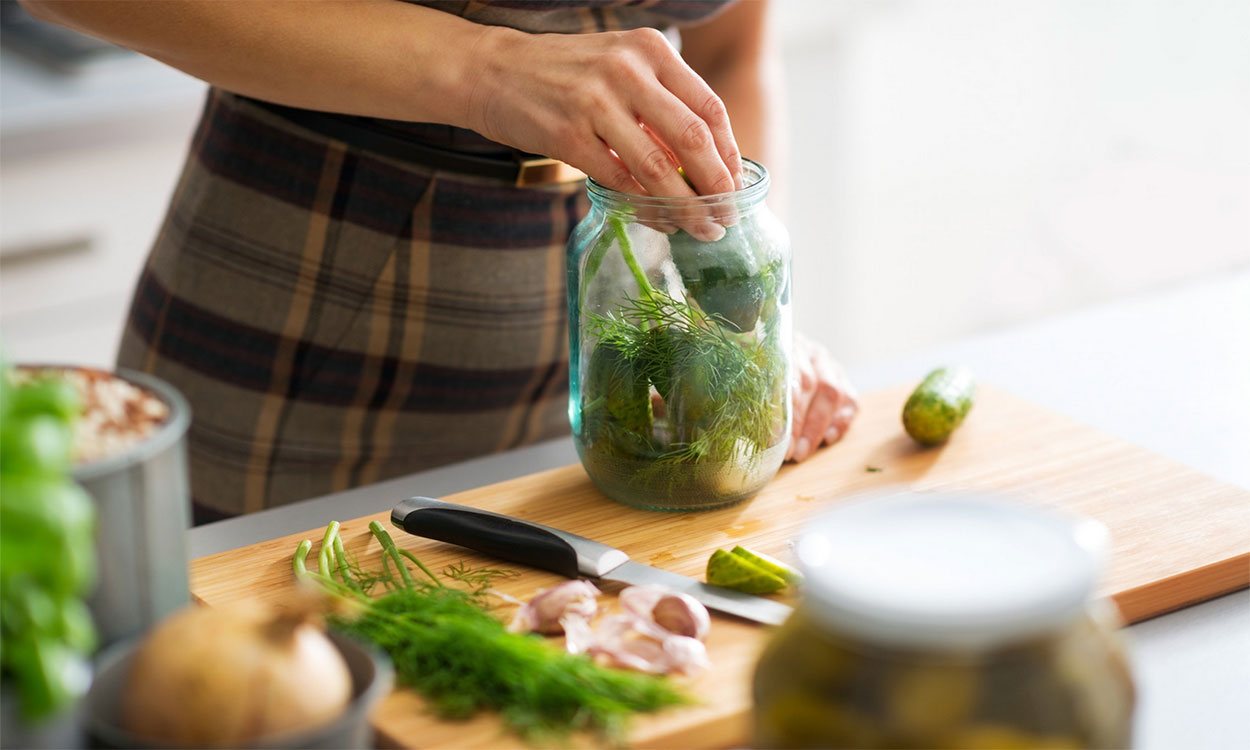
(336, 317)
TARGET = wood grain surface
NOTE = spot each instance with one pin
(1178, 537)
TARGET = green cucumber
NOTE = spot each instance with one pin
(770, 564)
(939, 404)
(736, 572)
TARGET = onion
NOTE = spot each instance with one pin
(226, 676)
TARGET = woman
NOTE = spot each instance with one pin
(361, 273)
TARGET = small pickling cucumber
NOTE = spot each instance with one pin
(939, 404)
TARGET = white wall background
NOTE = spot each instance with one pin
(959, 165)
(956, 165)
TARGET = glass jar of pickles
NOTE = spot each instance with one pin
(942, 621)
(679, 338)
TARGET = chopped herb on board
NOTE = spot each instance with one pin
(873, 469)
(448, 648)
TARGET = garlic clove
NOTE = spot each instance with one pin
(685, 655)
(682, 614)
(543, 613)
(640, 600)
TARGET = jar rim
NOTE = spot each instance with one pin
(755, 178)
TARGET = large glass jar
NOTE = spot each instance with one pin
(679, 340)
(944, 622)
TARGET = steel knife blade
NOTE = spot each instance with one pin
(568, 554)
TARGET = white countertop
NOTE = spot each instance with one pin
(1169, 371)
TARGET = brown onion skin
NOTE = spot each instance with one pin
(227, 676)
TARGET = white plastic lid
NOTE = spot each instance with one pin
(931, 570)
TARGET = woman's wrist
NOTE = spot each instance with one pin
(479, 72)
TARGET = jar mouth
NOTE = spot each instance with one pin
(755, 181)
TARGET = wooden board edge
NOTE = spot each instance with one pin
(1184, 589)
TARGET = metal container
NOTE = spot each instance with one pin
(143, 502)
(59, 731)
(372, 678)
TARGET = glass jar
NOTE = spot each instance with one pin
(946, 622)
(679, 342)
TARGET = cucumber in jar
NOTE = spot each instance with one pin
(723, 276)
(939, 405)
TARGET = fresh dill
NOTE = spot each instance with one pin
(723, 392)
(448, 647)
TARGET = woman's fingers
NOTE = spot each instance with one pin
(687, 136)
(654, 129)
(818, 422)
(563, 94)
(653, 167)
(824, 402)
(676, 76)
(802, 390)
(598, 161)
(649, 162)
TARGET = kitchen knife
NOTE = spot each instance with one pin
(569, 555)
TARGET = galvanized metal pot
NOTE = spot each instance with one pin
(143, 501)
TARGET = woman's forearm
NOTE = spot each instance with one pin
(575, 97)
(368, 57)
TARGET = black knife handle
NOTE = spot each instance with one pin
(506, 537)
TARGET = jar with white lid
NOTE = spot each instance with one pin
(947, 621)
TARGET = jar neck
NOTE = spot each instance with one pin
(724, 207)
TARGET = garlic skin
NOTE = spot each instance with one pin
(546, 611)
(579, 637)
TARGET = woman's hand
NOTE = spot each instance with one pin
(623, 107)
(824, 400)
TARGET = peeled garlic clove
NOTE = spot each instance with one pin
(682, 614)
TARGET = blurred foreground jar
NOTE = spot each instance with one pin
(679, 338)
(942, 621)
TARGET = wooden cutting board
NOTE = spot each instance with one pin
(1178, 537)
